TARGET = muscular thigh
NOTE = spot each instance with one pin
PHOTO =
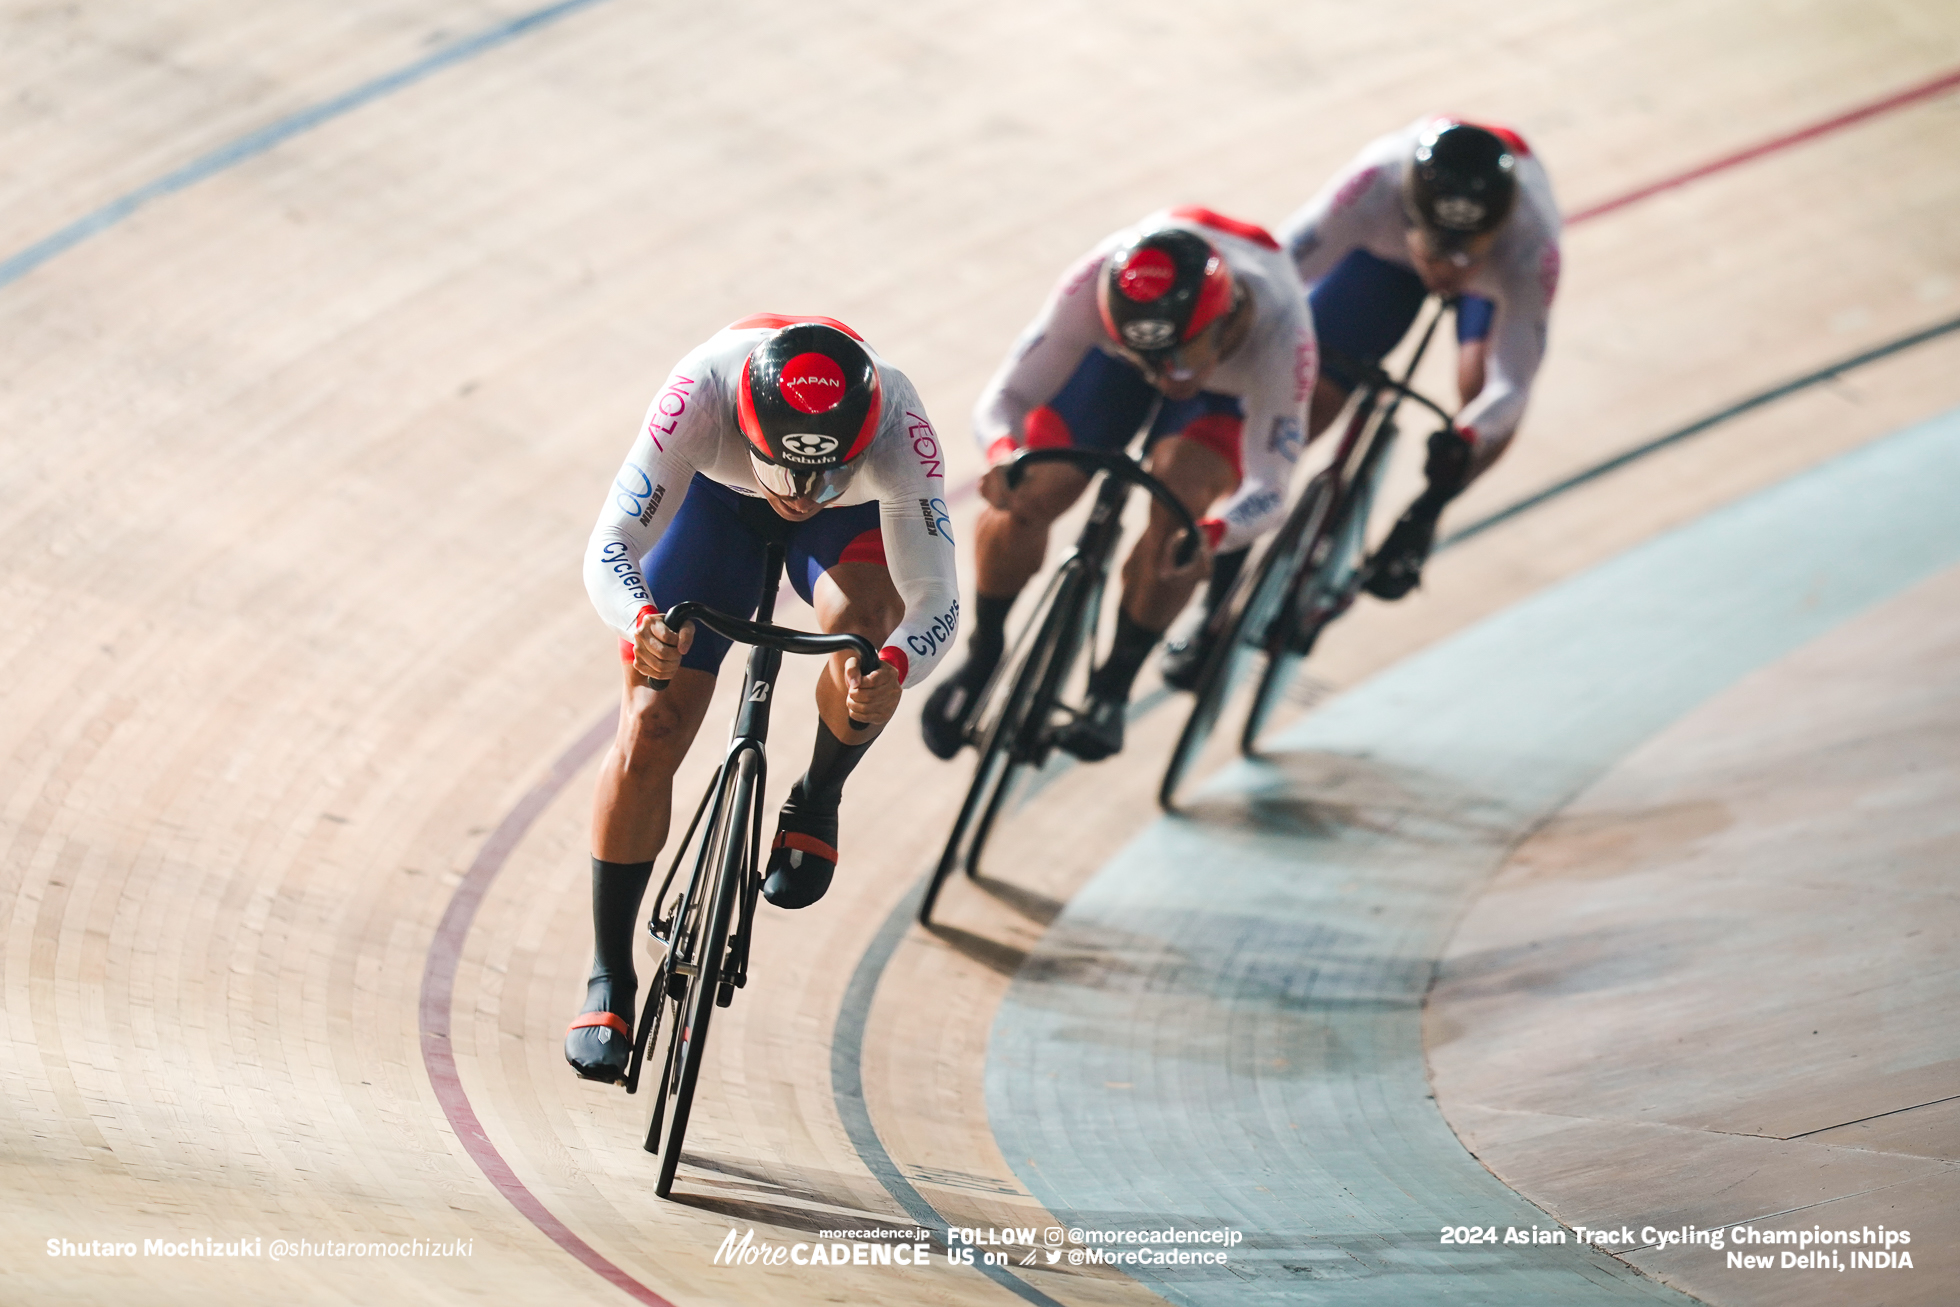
(712, 554)
(1361, 309)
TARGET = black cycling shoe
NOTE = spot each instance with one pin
(600, 1041)
(1396, 567)
(1184, 658)
(804, 856)
(1097, 733)
(948, 708)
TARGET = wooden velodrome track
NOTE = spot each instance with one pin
(303, 434)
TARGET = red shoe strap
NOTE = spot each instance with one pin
(606, 1019)
(790, 839)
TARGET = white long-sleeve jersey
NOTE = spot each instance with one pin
(690, 427)
(1361, 208)
(1271, 372)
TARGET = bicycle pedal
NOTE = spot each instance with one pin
(677, 987)
(724, 994)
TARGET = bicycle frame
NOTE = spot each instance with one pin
(706, 956)
(1016, 727)
(1300, 579)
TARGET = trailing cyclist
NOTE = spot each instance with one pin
(1448, 208)
(1443, 207)
(778, 429)
(1193, 324)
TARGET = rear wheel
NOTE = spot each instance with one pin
(726, 850)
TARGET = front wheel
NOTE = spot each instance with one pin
(1328, 575)
(726, 850)
(1244, 624)
(1015, 736)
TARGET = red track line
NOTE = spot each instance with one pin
(1924, 91)
(438, 986)
(446, 949)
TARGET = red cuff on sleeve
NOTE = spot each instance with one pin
(641, 616)
(894, 655)
(1002, 449)
(1214, 529)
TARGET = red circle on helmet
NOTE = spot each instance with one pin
(1147, 276)
(812, 383)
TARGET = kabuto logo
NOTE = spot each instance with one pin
(808, 444)
(1459, 212)
(812, 383)
(1147, 275)
(1149, 333)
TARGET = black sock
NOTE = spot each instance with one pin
(617, 888)
(989, 638)
(1126, 654)
(1224, 571)
(831, 762)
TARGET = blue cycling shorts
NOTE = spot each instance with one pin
(1106, 401)
(713, 552)
(1367, 304)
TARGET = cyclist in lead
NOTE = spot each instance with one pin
(778, 429)
(1448, 208)
(1193, 323)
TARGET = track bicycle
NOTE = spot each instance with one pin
(1309, 573)
(703, 963)
(1021, 712)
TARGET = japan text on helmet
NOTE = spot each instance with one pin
(809, 403)
(1461, 183)
(1163, 289)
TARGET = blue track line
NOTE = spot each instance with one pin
(253, 144)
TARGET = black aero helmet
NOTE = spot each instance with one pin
(1162, 289)
(809, 402)
(1462, 181)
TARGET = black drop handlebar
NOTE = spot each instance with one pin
(1123, 468)
(1372, 374)
(743, 631)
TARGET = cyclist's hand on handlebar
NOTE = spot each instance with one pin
(657, 650)
(870, 698)
(1198, 568)
(993, 487)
